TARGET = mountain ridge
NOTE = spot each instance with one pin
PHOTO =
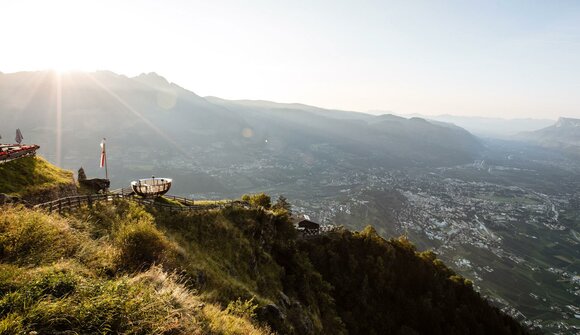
(563, 135)
(152, 121)
(490, 126)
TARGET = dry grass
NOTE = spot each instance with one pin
(29, 175)
(62, 275)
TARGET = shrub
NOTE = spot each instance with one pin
(245, 309)
(258, 200)
(33, 238)
(141, 244)
(282, 205)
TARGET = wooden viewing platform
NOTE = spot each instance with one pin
(10, 152)
(151, 187)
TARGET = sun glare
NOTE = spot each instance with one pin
(64, 66)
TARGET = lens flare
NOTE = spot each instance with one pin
(58, 119)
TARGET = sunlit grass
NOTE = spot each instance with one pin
(29, 175)
(212, 202)
(107, 270)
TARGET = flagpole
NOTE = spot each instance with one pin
(105, 151)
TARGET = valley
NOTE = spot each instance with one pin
(510, 219)
(503, 213)
(502, 226)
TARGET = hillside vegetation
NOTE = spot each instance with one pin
(112, 272)
(122, 267)
(34, 178)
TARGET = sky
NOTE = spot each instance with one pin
(510, 59)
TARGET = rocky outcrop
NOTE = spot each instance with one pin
(96, 185)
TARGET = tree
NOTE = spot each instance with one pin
(82, 175)
(283, 204)
(258, 200)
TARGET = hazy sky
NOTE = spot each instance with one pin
(489, 58)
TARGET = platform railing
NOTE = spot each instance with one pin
(73, 202)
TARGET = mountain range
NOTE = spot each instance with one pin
(490, 126)
(564, 135)
(503, 213)
(150, 122)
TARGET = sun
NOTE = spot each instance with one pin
(64, 67)
(64, 60)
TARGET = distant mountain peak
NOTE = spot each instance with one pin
(567, 122)
(390, 117)
(152, 78)
(418, 119)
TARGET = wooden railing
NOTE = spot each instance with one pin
(8, 157)
(73, 202)
(70, 203)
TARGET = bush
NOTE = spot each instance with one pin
(282, 205)
(33, 238)
(244, 309)
(141, 244)
(258, 200)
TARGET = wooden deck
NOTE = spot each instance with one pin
(8, 153)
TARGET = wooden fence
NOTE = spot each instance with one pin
(69, 203)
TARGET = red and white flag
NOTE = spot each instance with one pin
(103, 154)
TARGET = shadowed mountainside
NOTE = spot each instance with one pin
(153, 125)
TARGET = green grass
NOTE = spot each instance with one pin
(123, 267)
(110, 269)
(211, 202)
(167, 201)
(30, 175)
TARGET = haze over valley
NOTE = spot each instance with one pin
(503, 212)
(290, 167)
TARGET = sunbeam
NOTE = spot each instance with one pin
(139, 115)
(58, 150)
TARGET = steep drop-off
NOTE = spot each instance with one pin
(121, 267)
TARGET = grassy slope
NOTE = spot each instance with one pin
(30, 175)
(120, 267)
(68, 274)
